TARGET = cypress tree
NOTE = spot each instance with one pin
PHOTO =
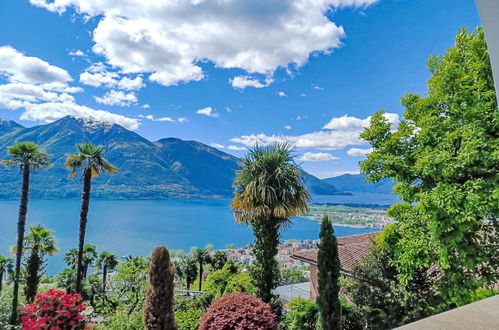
(158, 305)
(328, 277)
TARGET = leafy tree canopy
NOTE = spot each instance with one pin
(444, 156)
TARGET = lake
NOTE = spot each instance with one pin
(136, 227)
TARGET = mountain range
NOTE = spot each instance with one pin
(170, 168)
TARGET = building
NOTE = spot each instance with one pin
(351, 250)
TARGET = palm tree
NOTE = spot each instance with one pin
(5, 266)
(201, 257)
(66, 280)
(28, 157)
(219, 260)
(107, 262)
(189, 269)
(71, 258)
(39, 243)
(89, 257)
(91, 159)
(269, 191)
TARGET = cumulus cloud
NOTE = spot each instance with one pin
(26, 69)
(340, 132)
(281, 93)
(352, 123)
(42, 90)
(51, 111)
(208, 111)
(182, 119)
(288, 127)
(359, 152)
(317, 157)
(242, 82)
(120, 98)
(98, 75)
(170, 38)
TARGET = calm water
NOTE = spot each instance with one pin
(136, 227)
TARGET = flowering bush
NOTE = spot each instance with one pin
(238, 311)
(54, 310)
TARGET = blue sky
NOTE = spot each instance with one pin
(226, 73)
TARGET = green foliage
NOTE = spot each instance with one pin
(444, 157)
(27, 155)
(122, 320)
(293, 276)
(219, 259)
(187, 268)
(188, 319)
(130, 283)
(382, 301)
(202, 257)
(6, 266)
(228, 280)
(328, 277)
(39, 243)
(302, 315)
(269, 191)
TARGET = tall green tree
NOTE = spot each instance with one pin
(202, 257)
(106, 262)
(5, 266)
(189, 269)
(328, 278)
(39, 243)
(89, 257)
(269, 191)
(219, 260)
(27, 156)
(91, 159)
(158, 304)
(444, 157)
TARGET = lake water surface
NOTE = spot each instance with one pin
(136, 227)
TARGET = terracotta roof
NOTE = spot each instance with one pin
(351, 249)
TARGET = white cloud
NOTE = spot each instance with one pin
(336, 173)
(152, 118)
(288, 127)
(341, 132)
(146, 106)
(359, 152)
(317, 157)
(218, 146)
(352, 123)
(120, 98)
(51, 111)
(17, 67)
(77, 53)
(228, 109)
(13, 95)
(242, 82)
(43, 92)
(208, 111)
(98, 75)
(170, 38)
(281, 94)
(182, 119)
(319, 88)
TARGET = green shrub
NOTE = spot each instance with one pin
(121, 320)
(188, 319)
(302, 315)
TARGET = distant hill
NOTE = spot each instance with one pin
(166, 169)
(356, 183)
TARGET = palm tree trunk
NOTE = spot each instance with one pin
(21, 225)
(200, 275)
(1, 279)
(85, 200)
(104, 275)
